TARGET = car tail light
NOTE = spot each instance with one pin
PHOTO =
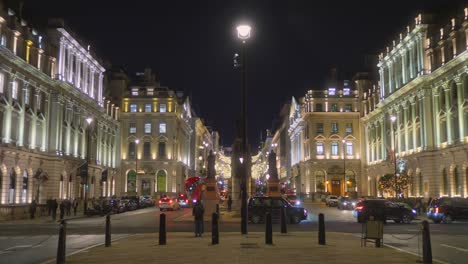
(359, 207)
(170, 201)
(160, 201)
(437, 210)
(186, 200)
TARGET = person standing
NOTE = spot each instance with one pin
(229, 203)
(62, 210)
(53, 206)
(68, 206)
(75, 206)
(198, 212)
(32, 209)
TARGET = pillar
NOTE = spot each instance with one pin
(413, 122)
(390, 77)
(449, 122)
(461, 114)
(411, 61)
(404, 79)
(405, 126)
(427, 109)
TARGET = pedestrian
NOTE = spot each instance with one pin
(49, 206)
(62, 210)
(417, 206)
(198, 212)
(53, 206)
(75, 206)
(68, 207)
(229, 203)
(32, 209)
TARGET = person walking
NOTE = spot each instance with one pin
(198, 212)
(32, 209)
(229, 203)
(62, 210)
(75, 206)
(53, 207)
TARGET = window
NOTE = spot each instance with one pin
(318, 108)
(135, 92)
(334, 148)
(132, 129)
(346, 91)
(349, 128)
(147, 128)
(2, 82)
(162, 108)
(3, 40)
(162, 150)
(147, 150)
(349, 149)
(14, 90)
(331, 91)
(27, 93)
(348, 107)
(320, 148)
(334, 107)
(162, 128)
(147, 108)
(131, 150)
(133, 108)
(319, 128)
(334, 127)
(150, 92)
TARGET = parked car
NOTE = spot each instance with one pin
(146, 201)
(383, 210)
(259, 206)
(167, 203)
(331, 200)
(346, 203)
(129, 204)
(292, 199)
(447, 209)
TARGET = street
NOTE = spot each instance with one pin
(35, 242)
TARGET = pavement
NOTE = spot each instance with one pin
(44, 219)
(297, 247)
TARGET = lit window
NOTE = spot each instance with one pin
(334, 149)
(150, 92)
(14, 90)
(162, 108)
(331, 91)
(320, 148)
(334, 127)
(349, 128)
(2, 82)
(346, 91)
(147, 107)
(162, 128)
(334, 107)
(349, 149)
(3, 40)
(26, 96)
(135, 92)
(348, 107)
(148, 128)
(132, 129)
(133, 108)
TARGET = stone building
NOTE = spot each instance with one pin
(162, 141)
(424, 87)
(50, 83)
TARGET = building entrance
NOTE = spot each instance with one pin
(336, 187)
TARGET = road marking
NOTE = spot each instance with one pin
(19, 246)
(412, 253)
(457, 248)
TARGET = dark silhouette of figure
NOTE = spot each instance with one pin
(62, 210)
(53, 206)
(229, 203)
(68, 206)
(32, 209)
(198, 212)
(75, 206)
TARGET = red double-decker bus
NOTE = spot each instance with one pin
(194, 188)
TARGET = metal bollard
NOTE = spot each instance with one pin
(283, 221)
(426, 243)
(62, 245)
(162, 229)
(321, 234)
(269, 230)
(217, 210)
(108, 231)
(214, 229)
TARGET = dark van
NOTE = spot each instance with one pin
(259, 206)
(446, 209)
(383, 210)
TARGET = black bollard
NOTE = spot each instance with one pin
(214, 229)
(217, 210)
(321, 234)
(426, 237)
(62, 245)
(108, 231)
(269, 230)
(162, 229)
(283, 221)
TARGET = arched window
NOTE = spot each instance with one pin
(24, 189)
(70, 186)
(161, 181)
(61, 187)
(445, 182)
(457, 181)
(131, 181)
(12, 191)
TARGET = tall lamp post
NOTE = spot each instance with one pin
(393, 119)
(243, 33)
(137, 141)
(344, 166)
(89, 120)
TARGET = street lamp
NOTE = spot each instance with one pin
(89, 120)
(393, 119)
(344, 166)
(137, 141)
(243, 33)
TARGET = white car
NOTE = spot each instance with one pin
(167, 203)
(331, 200)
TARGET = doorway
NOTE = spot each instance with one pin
(336, 187)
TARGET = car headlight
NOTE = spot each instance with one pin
(298, 203)
(345, 203)
(414, 211)
(354, 204)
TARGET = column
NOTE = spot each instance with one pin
(449, 122)
(405, 126)
(100, 89)
(21, 118)
(382, 138)
(382, 82)
(366, 136)
(61, 62)
(7, 114)
(69, 65)
(78, 72)
(413, 122)
(46, 124)
(390, 77)
(421, 55)
(398, 130)
(461, 114)
(91, 91)
(85, 76)
(411, 61)
(422, 130)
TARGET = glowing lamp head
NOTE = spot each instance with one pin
(137, 141)
(243, 32)
(393, 118)
(89, 120)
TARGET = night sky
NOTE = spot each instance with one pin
(190, 45)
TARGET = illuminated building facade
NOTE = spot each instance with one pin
(424, 86)
(50, 83)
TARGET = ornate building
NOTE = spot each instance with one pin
(424, 87)
(50, 83)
